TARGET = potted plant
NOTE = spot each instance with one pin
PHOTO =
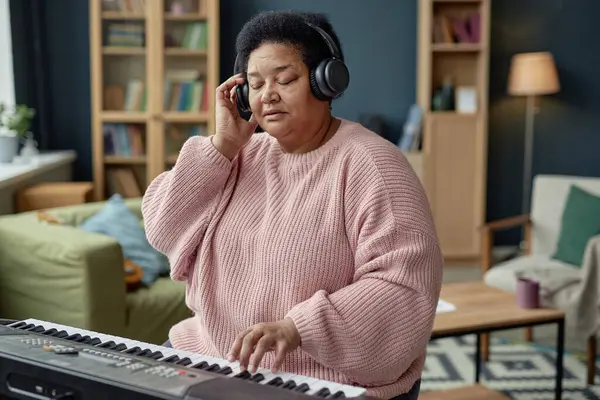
(14, 125)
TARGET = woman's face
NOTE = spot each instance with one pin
(279, 92)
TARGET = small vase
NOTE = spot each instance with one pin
(9, 147)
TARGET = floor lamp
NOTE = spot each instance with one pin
(531, 75)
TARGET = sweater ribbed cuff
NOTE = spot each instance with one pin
(298, 314)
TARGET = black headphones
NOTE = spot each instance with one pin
(327, 81)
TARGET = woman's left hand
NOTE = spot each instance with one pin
(251, 345)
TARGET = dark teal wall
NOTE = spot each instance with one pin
(379, 41)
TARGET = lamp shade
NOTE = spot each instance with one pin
(533, 74)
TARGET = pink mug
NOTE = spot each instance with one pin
(528, 293)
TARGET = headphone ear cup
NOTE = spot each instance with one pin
(315, 85)
(330, 79)
(241, 98)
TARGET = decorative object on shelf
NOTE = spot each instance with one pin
(411, 134)
(443, 98)
(14, 124)
(178, 8)
(531, 75)
(30, 150)
(466, 99)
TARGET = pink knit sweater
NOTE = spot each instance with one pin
(340, 239)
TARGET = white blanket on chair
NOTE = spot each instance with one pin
(574, 291)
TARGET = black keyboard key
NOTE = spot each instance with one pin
(74, 337)
(277, 381)
(84, 339)
(18, 325)
(303, 388)
(225, 371)
(50, 331)
(201, 365)
(107, 345)
(27, 327)
(94, 341)
(213, 368)
(243, 375)
(338, 395)
(133, 351)
(119, 347)
(156, 355)
(289, 385)
(38, 329)
(324, 392)
(146, 353)
(184, 361)
(257, 378)
(171, 359)
(60, 334)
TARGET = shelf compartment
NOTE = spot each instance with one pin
(122, 16)
(124, 116)
(125, 160)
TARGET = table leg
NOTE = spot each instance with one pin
(477, 358)
(560, 350)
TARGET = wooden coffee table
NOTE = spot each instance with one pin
(484, 309)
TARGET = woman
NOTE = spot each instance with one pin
(309, 248)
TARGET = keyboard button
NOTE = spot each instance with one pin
(243, 375)
(303, 388)
(289, 385)
(201, 365)
(225, 371)
(275, 382)
(184, 361)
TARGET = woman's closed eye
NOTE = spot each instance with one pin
(284, 82)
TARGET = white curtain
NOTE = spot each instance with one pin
(7, 81)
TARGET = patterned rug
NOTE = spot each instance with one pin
(518, 370)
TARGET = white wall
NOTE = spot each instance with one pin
(7, 81)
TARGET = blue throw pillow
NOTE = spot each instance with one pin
(119, 222)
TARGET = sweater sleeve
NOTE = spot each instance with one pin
(179, 203)
(373, 329)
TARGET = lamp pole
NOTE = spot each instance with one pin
(530, 112)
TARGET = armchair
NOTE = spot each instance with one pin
(541, 234)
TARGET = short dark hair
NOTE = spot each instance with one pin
(286, 27)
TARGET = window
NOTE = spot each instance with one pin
(7, 80)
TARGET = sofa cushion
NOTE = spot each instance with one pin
(504, 275)
(580, 221)
(152, 311)
(115, 219)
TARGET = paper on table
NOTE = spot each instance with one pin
(444, 306)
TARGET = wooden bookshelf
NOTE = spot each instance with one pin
(154, 68)
(453, 47)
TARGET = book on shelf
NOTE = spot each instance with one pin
(195, 36)
(452, 29)
(135, 96)
(176, 135)
(122, 180)
(130, 6)
(126, 34)
(125, 140)
(185, 91)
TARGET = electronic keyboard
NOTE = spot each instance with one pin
(43, 360)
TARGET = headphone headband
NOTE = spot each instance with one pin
(330, 43)
(333, 49)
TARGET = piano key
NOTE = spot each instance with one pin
(262, 376)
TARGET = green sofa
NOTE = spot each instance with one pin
(62, 274)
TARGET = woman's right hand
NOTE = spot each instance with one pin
(232, 131)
